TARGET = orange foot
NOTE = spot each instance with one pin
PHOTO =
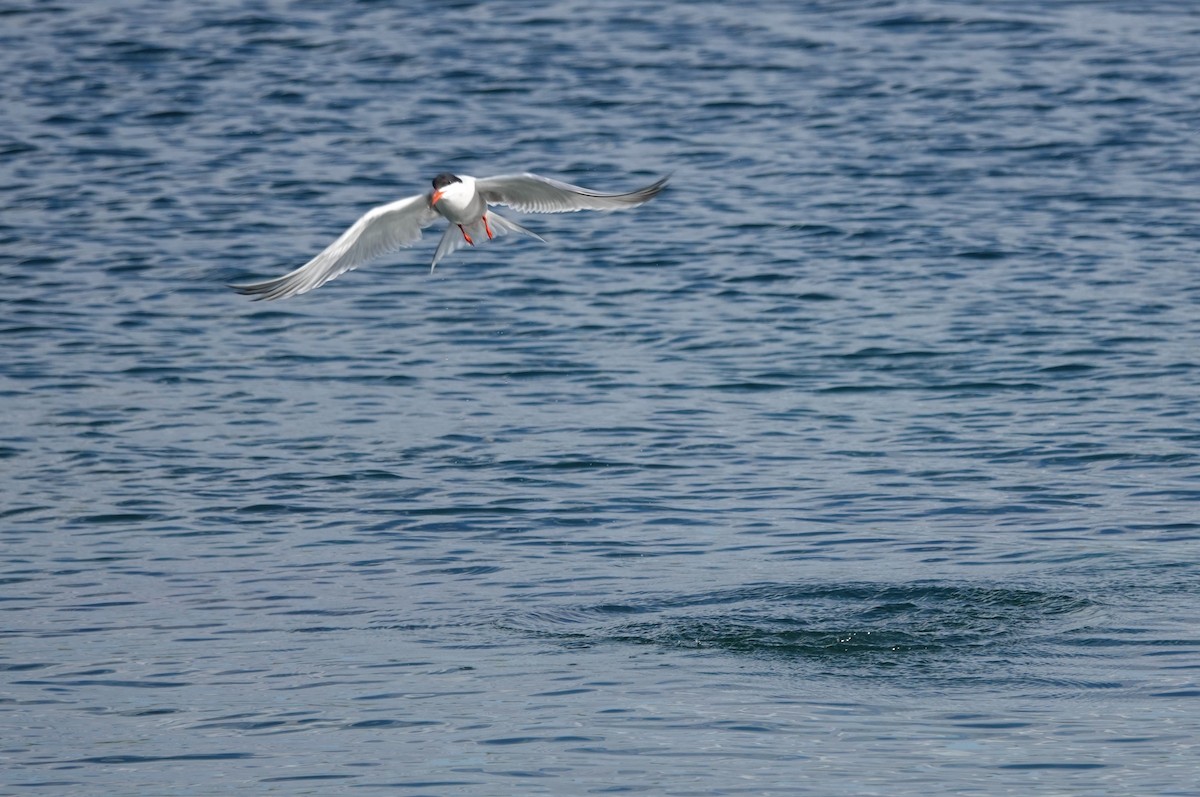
(466, 237)
(486, 227)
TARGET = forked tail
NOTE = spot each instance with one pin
(453, 238)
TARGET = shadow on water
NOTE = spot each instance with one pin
(861, 630)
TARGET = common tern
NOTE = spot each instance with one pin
(460, 199)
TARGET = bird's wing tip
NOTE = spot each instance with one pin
(256, 291)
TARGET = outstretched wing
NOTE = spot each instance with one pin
(381, 230)
(531, 193)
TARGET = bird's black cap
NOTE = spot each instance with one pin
(444, 179)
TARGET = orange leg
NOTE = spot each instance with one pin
(466, 237)
(488, 228)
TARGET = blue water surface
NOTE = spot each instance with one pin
(865, 460)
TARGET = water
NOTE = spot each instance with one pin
(865, 460)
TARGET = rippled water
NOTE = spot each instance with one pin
(865, 460)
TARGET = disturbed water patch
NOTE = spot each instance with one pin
(851, 629)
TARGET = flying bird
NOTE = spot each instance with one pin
(460, 199)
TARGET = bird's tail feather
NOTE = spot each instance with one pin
(453, 240)
(501, 225)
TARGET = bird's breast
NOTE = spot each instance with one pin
(461, 209)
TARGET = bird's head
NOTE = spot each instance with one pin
(439, 185)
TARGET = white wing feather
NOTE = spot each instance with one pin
(532, 193)
(381, 230)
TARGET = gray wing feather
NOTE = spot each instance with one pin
(381, 230)
(532, 193)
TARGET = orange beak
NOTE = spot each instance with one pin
(436, 196)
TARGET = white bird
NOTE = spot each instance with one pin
(460, 199)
